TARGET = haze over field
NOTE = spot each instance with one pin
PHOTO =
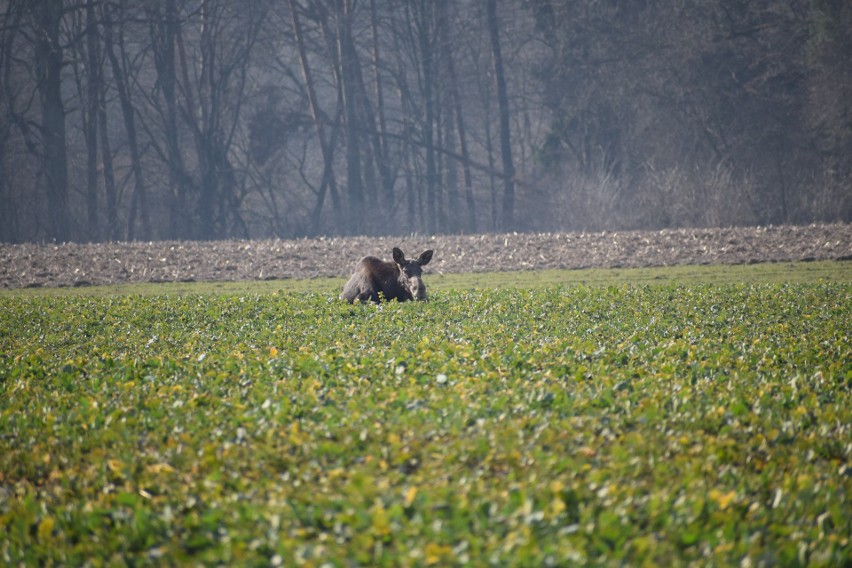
(175, 120)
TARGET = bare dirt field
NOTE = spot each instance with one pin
(39, 265)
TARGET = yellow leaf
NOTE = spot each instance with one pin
(723, 548)
(114, 466)
(45, 528)
(295, 437)
(336, 473)
(557, 505)
(159, 468)
(410, 495)
(381, 523)
(723, 499)
(435, 553)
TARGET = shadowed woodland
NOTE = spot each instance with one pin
(214, 119)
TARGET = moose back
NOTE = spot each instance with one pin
(398, 280)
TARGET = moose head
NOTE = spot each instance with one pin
(410, 273)
(399, 280)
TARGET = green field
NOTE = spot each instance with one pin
(607, 420)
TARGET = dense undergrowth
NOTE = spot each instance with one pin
(560, 425)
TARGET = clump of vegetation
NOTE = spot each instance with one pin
(561, 425)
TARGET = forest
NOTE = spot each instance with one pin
(152, 120)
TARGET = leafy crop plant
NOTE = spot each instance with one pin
(666, 425)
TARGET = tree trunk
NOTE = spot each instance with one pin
(9, 212)
(326, 150)
(110, 190)
(8, 207)
(199, 116)
(48, 53)
(139, 200)
(492, 168)
(179, 221)
(427, 63)
(93, 89)
(455, 95)
(380, 139)
(507, 219)
(455, 124)
(348, 60)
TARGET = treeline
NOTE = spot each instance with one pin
(208, 119)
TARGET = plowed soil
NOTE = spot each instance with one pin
(39, 265)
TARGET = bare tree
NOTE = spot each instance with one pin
(113, 17)
(326, 149)
(348, 61)
(508, 213)
(47, 16)
(458, 117)
(8, 202)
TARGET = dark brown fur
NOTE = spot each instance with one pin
(398, 280)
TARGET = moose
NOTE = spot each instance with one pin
(398, 280)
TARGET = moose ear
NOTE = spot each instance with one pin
(398, 256)
(424, 258)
